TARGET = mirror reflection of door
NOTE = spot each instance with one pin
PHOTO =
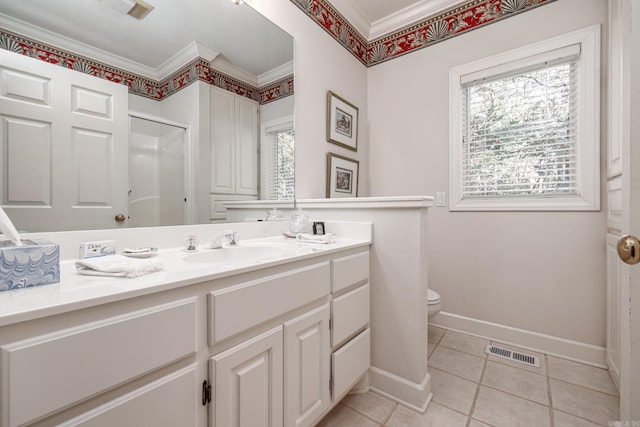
(156, 173)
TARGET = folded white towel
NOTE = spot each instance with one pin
(316, 238)
(117, 266)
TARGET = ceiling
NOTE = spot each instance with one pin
(236, 34)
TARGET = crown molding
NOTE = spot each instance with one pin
(352, 13)
(276, 74)
(407, 16)
(442, 23)
(189, 53)
(65, 43)
(225, 67)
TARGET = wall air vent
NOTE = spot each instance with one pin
(513, 355)
(140, 9)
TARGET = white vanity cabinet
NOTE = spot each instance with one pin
(248, 349)
(350, 314)
(294, 373)
(289, 361)
(43, 374)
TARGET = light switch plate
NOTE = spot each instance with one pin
(441, 199)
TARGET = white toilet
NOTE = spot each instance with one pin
(433, 306)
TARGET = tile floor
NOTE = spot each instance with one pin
(472, 389)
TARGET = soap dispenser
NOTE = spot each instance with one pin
(299, 222)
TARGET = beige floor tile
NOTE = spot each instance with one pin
(581, 374)
(560, 419)
(476, 423)
(435, 334)
(456, 362)
(342, 416)
(370, 404)
(465, 343)
(595, 406)
(452, 391)
(516, 381)
(500, 409)
(541, 370)
(436, 416)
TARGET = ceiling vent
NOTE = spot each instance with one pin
(140, 9)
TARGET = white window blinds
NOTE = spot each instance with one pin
(519, 128)
(277, 171)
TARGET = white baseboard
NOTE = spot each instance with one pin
(412, 395)
(534, 341)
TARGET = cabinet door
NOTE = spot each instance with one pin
(306, 357)
(248, 383)
(246, 146)
(223, 141)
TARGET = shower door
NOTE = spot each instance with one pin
(157, 189)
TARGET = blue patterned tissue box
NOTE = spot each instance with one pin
(35, 263)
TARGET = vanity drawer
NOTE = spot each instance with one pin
(349, 363)
(349, 270)
(169, 401)
(350, 313)
(238, 308)
(44, 374)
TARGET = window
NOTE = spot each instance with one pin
(524, 128)
(277, 161)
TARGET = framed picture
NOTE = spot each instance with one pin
(318, 227)
(342, 176)
(342, 122)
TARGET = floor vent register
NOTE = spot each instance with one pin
(523, 358)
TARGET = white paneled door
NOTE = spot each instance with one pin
(63, 146)
(623, 216)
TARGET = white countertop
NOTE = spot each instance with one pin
(76, 291)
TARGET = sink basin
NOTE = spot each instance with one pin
(243, 253)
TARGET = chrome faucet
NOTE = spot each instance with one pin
(228, 237)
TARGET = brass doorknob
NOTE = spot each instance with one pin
(629, 249)
(120, 218)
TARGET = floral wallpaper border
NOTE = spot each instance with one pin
(198, 69)
(460, 19)
(465, 17)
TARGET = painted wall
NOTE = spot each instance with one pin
(321, 64)
(543, 272)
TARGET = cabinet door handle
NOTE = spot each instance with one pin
(206, 393)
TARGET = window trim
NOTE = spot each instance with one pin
(588, 127)
(280, 123)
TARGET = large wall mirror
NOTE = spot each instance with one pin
(111, 121)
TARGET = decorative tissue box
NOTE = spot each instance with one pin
(35, 263)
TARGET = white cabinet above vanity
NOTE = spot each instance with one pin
(205, 345)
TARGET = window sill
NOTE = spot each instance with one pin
(525, 204)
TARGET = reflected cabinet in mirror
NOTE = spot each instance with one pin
(116, 115)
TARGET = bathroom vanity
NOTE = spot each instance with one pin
(276, 341)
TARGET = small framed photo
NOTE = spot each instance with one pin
(342, 122)
(318, 227)
(342, 176)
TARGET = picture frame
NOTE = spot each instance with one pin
(318, 227)
(342, 176)
(342, 122)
